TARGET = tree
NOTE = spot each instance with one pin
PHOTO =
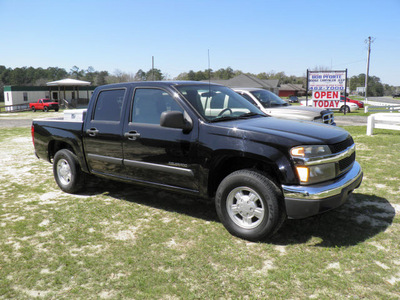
(140, 75)
(101, 78)
(76, 72)
(90, 74)
(154, 74)
(375, 87)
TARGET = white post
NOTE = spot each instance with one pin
(370, 124)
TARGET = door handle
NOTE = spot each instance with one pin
(132, 135)
(92, 132)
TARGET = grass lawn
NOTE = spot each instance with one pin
(121, 241)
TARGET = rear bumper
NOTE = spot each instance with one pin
(306, 201)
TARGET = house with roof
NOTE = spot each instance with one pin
(289, 89)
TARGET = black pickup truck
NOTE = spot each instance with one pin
(205, 140)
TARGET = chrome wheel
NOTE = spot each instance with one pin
(245, 207)
(64, 171)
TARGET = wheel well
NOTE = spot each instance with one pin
(239, 163)
(55, 146)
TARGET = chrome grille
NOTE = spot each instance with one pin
(328, 118)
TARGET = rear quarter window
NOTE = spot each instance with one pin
(109, 105)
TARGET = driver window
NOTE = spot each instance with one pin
(149, 104)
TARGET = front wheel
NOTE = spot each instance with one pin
(46, 109)
(67, 171)
(249, 205)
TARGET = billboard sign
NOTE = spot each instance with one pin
(330, 81)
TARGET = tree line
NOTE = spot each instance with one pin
(29, 76)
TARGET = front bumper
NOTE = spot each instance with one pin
(306, 201)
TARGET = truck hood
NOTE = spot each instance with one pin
(294, 112)
(280, 132)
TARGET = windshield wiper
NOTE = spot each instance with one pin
(224, 118)
(250, 114)
(243, 116)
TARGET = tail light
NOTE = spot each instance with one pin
(33, 134)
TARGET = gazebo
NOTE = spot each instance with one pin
(68, 84)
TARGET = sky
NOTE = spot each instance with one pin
(253, 36)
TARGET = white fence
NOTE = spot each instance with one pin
(381, 108)
(384, 121)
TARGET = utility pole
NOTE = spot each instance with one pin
(152, 67)
(369, 41)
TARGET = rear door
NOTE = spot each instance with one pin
(102, 134)
(155, 154)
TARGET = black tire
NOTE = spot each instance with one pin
(67, 171)
(33, 109)
(250, 205)
(345, 109)
(46, 109)
(56, 109)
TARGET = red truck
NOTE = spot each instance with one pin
(44, 104)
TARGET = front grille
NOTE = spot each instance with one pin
(339, 147)
(328, 118)
(345, 163)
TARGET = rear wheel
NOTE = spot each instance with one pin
(249, 205)
(33, 109)
(345, 109)
(67, 171)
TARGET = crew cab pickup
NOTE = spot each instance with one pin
(274, 106)
(258, 170)
(44, 104)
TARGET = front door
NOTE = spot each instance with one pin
(156, 154)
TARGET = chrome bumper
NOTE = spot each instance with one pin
(305, 201)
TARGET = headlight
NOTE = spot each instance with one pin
(310, 151)
(311, 165)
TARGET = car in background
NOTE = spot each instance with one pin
(397, 95)
(342, 107)
(274, 106)
(44, 104)
(360, 104)
(293, 99)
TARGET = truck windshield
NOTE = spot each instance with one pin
(268, 99)
(218, 103)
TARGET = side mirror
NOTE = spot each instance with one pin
(176, 119)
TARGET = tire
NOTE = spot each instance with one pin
(46, 109)
(250, 205)
(33, 109)
(67, 171)
(345, 109)
(56, 109)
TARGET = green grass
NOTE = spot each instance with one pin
(122, 241)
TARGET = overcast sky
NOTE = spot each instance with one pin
(251, 36)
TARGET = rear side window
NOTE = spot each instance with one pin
(109, 105)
